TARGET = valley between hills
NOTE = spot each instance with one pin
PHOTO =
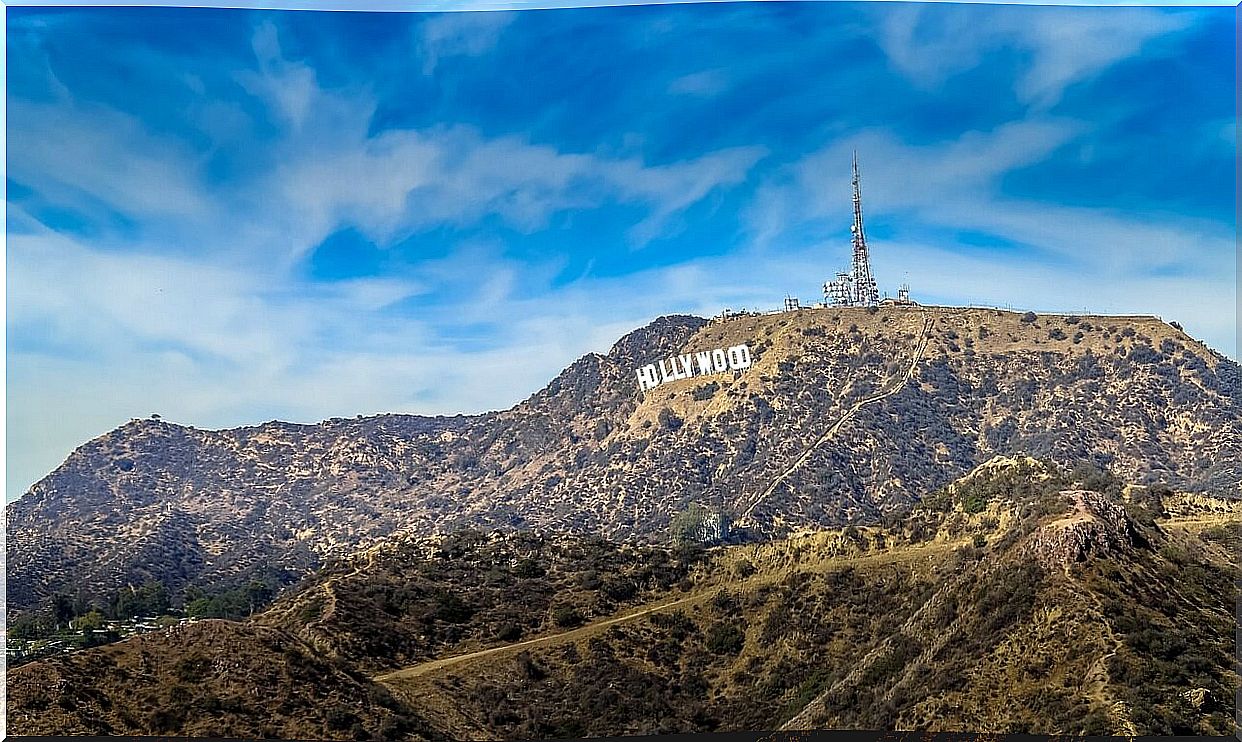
(937, 518)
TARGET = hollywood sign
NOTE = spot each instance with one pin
(723, 360)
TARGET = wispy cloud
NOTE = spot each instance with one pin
(1062, 47)
(703, 84)
(87, 155)
(459, 34)
(166, 245)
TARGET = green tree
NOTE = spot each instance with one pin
(201, 608)
(686, 526)
(91, 621)
(1092, 477)
(31, 626)
(528, 568)
(257, 594)
(725, 638)
(62, 609)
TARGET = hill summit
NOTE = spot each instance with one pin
(845, 416)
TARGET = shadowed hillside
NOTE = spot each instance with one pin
(210, 679)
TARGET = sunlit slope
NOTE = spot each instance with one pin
(845, 415)
(1021, 598)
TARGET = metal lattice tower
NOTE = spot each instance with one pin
(865, 292)
(857, 288)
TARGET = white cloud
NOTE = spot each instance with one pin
(330, 169)
(1062, 46)
(459, 34)
(288, 87)
(1068, 47)
(402, 181)
(83, 155)
(703, 84)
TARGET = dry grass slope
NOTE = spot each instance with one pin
(590, 454)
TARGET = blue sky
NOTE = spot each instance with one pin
(230, 216)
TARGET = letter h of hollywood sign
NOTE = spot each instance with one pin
(736, 358)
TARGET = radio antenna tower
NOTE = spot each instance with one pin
(856, 288)
(865, 292)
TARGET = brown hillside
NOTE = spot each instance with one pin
(209, 679)
(982, 627)
(847, 416)
(1018, 599)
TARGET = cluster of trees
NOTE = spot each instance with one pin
(1022, 483)
(698, 524)
(75, 612)
(484, 589)
(88, 619)
(235, 603)
(1019, 483)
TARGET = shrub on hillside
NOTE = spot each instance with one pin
(567, 616)
(669, 419)
(725, 638)
(705, 392)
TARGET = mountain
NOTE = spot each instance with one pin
(845, 416)
(1021, 598)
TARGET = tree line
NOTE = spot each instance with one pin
(76, 613)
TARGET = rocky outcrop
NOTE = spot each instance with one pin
(1097, 526)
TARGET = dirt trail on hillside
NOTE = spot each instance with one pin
(1202, 521)
(920, 347)
(702, 594)
(565, 636)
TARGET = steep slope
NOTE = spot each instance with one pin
(1019, 600)
(1054, 612)
(845, 416)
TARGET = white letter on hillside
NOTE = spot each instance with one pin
(647, 378)
(665, 376)
(686, 365)
(739, 357)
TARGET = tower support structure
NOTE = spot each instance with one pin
(865, 291)
(857, 288)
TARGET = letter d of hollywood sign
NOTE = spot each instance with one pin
(684, 366)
